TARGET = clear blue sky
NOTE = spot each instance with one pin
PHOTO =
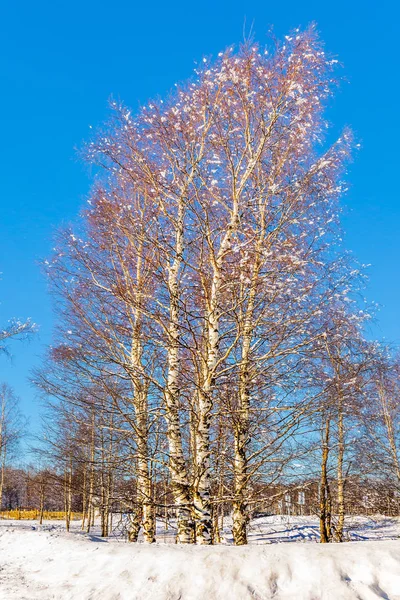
(60, 63)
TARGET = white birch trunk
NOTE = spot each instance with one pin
(340, 474)
(181, 488)
(202, 503)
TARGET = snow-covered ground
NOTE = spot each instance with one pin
(274, 529)
(44, 562)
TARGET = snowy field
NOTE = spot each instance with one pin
(44, 562)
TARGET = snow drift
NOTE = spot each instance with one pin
(48, 564)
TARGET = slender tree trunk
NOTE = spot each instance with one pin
(240, 517)
(340, 475)
(202, 500)
(215, 527)
(241, 430)
(41, 502)
(181, 489)
(241, 434)
(140, 402)
(324, 500)
(84, 496)
(2, 471)
(165, 503)
(145, 493)
(144, 488)
(90, 509)
(218, 512)
(105, 481)
(68, 494)
(135, 523)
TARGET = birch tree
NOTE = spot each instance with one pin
(193, 296)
